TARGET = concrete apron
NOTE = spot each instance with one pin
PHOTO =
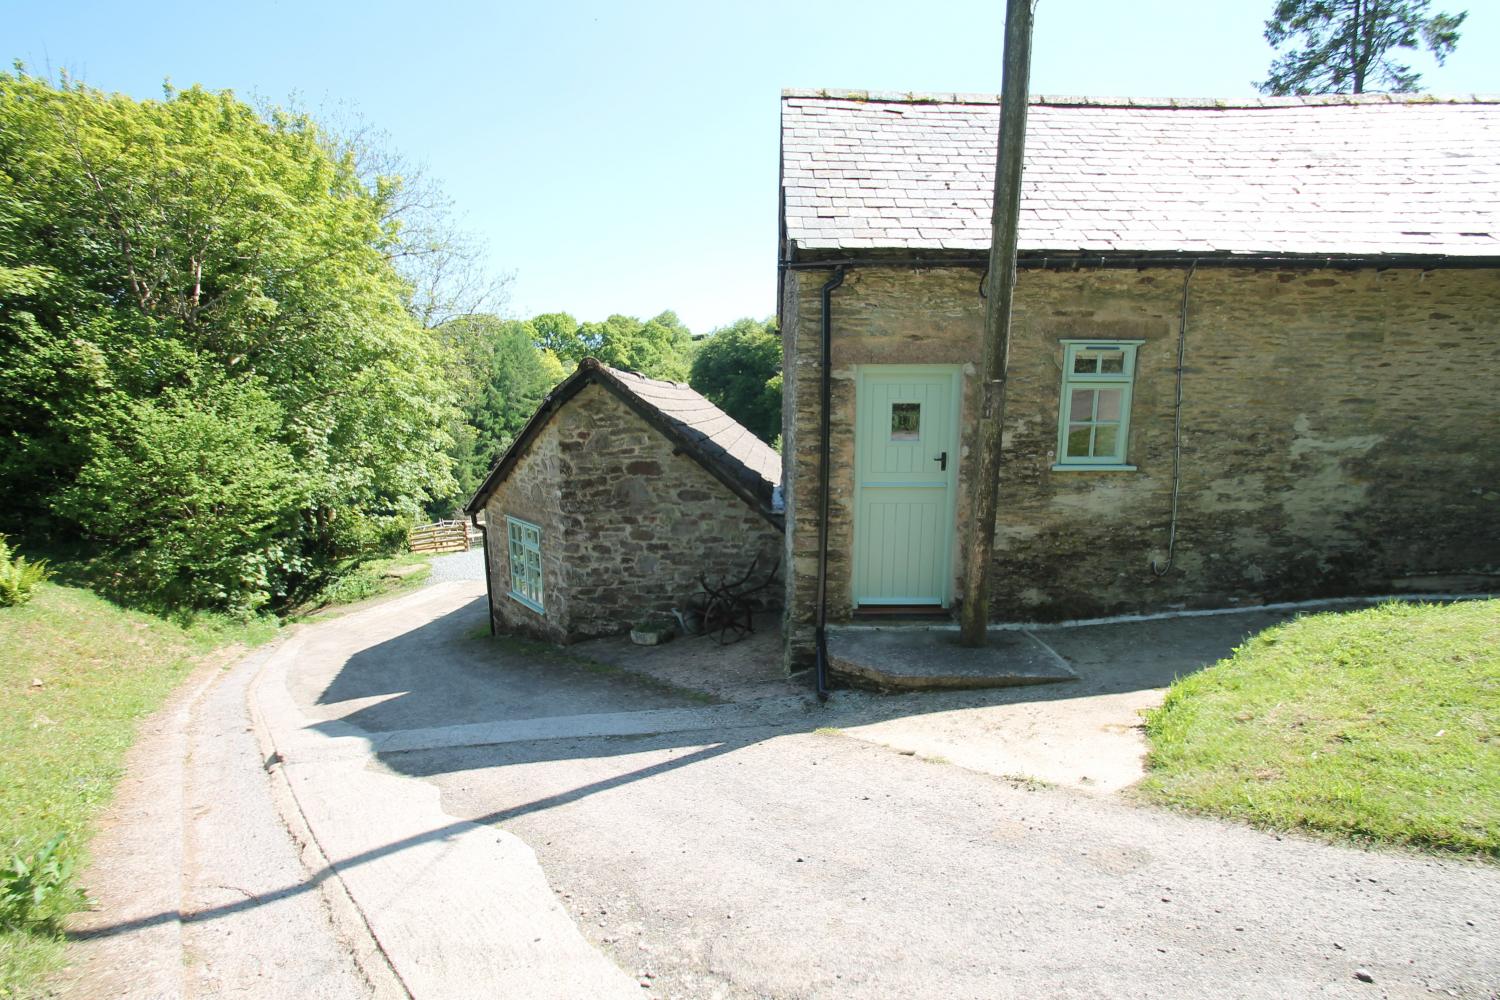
(929, 658)
(456, 908)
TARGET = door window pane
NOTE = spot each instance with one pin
(906, 421)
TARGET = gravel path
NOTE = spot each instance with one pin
(200, 890)
(458, 566)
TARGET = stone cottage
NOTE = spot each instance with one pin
(617, 494)
(1255, 352)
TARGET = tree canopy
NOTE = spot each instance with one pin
(238, 351)
(208, 365)
(660, 347)
(1347, 46)
(503, 368)
(502, 375)
(738, 368)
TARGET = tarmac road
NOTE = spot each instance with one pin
(753, 851)
(390, 803)
(761, 863)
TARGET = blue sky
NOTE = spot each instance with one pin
(622, 157)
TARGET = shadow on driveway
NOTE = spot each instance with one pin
(446, 671)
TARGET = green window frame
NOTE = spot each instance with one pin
(525, 547)
(1093, 425)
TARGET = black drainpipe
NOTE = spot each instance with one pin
(825, 394)
(489, 591)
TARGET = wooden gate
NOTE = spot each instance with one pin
(440, 536)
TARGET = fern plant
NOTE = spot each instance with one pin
(18, 576)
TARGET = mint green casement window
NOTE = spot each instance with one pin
(1094, 426)
(525, 562)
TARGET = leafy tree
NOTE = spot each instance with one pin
(1347, 44)
(503, 376)
(660, 347)
(739, 369)
(170, 270)
(559, 333)
(197, 504)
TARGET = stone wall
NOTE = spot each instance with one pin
(632, 524)
(1338, 431)
(532, 492)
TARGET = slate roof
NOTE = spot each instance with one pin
(1363, 176)
(723, 446)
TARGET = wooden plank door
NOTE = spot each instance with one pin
(906, 468)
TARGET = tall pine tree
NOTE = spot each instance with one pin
(1348, 46)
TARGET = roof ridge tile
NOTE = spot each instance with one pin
(1105, 101)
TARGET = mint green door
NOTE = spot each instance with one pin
(905, 471)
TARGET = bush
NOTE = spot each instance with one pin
(18, 576)
(196, 505)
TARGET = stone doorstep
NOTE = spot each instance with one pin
(921, 658)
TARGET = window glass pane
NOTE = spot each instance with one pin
(1105, 437)
(1109, 404)
(1096, 385)
(906, 421)
(1081, 407)
(525, 549)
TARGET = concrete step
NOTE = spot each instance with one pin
(922, 658)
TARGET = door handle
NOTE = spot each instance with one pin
(942, 461)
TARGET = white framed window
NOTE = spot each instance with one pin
(525, 546)
(1093, 427)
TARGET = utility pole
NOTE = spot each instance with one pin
(1001, 284)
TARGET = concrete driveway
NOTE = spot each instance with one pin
(515, 822)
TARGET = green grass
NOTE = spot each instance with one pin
(374, 578)
(1380, 725)
(77, 674)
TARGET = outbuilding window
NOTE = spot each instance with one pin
(525, 562)
(1094, 425)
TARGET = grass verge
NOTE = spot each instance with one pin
(77, 674)
(1380, 725)
(372, 578)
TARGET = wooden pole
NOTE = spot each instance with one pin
(984, 476)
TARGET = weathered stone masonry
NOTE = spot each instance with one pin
(1339, 434)
(627, 523)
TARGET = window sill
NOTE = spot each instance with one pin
(1093, 468)
(526, 602)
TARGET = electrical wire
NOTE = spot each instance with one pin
(1182, 328)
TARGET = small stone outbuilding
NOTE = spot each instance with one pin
(616, 496)
(1254, 354)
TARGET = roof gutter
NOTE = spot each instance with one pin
(1063, 261)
